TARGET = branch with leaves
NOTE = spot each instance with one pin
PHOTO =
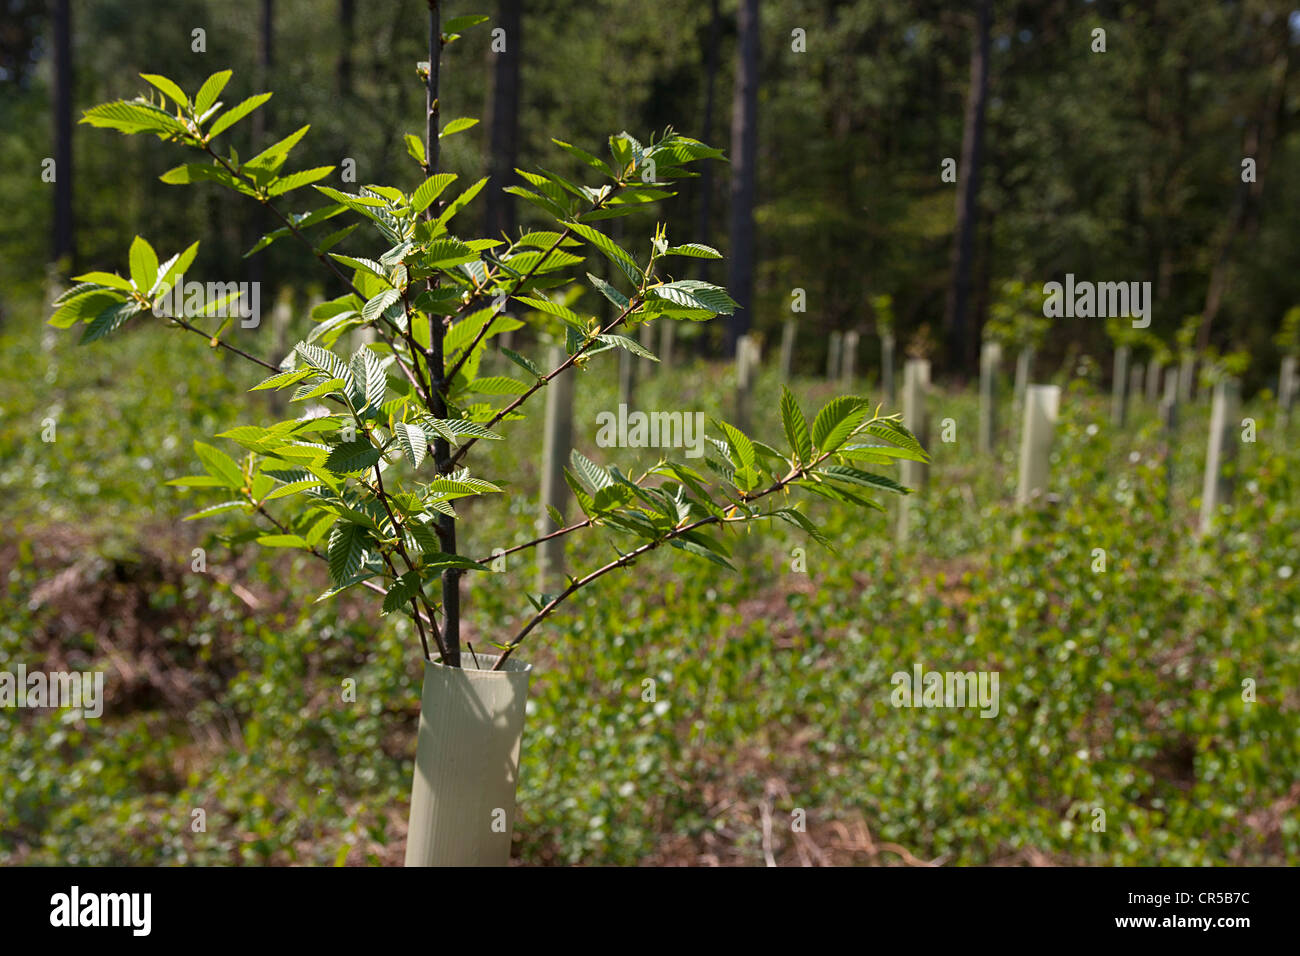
(368, 479)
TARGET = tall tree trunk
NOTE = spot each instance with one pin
(64, 245)
(956, 320)
(744, 150)
(347, 39)
(503, 122)
(1244, 217)
(704, 206)
(256, 264)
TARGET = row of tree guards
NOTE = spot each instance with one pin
(1038, 406)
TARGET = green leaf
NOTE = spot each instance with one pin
(325, 361)
(597, 164)
(608, 291)
(856, 476)
(693, 547)
(453, 428)
(413, 441)
(591, 473)
(202, 172)
(376, 306)
(210, 90)
(895, 432)
(694, 294)
(553, 308)
(293, 488)
(366, 265)
(131, 118)
(457, 125)
(523, 362)
(83, 306)
(456, 24)
(215, 509)
(880, 454)
(415, 147)
(352, 457)
(346, 550)
(741, 447)
(448, 488)
(106, 278)
(443, 253)
(429, 190)
(327, 387)
(167, 86)
(461, 201)
(836, 421)
(110, 320)
(615, 253)
(273, 157)
(144, 264)
(220, 465)
(800, 520)
(631, 345)
(542, 202)
(612, 497)
(197, 481)
(402, 591)
(372, 382)
(694, 250)
(283, 379)
(233, 115)
(497, 385)
(282, 541)
(796, 427)
(296, 180)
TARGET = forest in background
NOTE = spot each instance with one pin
(1123, 165)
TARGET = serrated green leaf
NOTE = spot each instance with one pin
(346, 551)
(173, 91)
(857, 476)
(631, 345)
(283, 379)
(304, 177)
(220, 465)
(694, 250)
(836, 421)
(210, 90)
(236, 113)
(402, 591)
(523, 362)
(413, 441)
(144, 264)
(282, 541)
(608, 291)
(352, 457)
(497, 385)
(796, 427)
(214, 509)
(429, 190)
(372, 382)
(196, 481)
(458, 125)
(591, 473)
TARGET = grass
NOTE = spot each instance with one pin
(679, 713)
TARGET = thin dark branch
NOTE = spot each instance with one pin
(536, 541)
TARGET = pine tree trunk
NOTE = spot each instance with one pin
(956, 320)
(744, 149)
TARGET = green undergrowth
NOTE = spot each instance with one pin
(666, 699)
